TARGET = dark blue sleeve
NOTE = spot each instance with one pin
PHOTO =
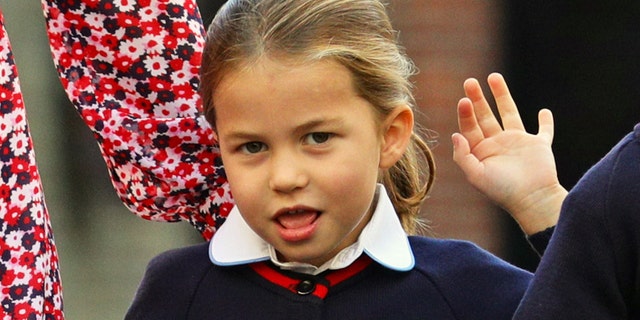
(169, 283)
(591, 268)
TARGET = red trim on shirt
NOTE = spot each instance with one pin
(350, 271)
(321, 290)
(263, 269)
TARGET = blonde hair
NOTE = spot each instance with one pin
(355, 33)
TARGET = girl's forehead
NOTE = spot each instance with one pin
(285, 77)
(270, 91)
(283, 63)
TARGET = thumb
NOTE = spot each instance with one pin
(462, 155)
(545, 124)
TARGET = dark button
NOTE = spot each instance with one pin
(305, 287)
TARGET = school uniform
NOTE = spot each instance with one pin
(384, 275)
(591, 269)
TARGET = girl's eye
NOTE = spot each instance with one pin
(253, 147)
(317, 137)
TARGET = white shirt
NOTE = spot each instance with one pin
(382, 239)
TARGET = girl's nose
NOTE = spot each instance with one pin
(287, 174)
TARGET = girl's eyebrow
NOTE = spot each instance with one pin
(309, 125)
(241, 135)
(314, 123)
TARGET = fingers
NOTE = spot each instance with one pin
(477, 121)
(487, 122)
(545, 124)
(468, 123)
(506, 106)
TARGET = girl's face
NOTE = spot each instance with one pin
(301, 151)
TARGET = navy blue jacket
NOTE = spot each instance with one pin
(591, 268)
(451, 280)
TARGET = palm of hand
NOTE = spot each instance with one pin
(511, 166)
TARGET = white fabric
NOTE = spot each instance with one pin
(382, 239)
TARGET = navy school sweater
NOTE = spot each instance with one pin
(451, 280)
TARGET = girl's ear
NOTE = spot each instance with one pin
(398, 129)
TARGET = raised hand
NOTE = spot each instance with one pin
(513, 168)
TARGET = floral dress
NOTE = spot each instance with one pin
(29, 277)
(130, 68)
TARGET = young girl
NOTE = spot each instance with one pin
(311, 104)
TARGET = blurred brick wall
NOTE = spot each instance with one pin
(449, 42)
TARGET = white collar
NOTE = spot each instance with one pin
(382, 239)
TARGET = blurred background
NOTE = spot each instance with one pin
(577, 58)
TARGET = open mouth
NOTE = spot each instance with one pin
(295, 219)
(297, 224)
